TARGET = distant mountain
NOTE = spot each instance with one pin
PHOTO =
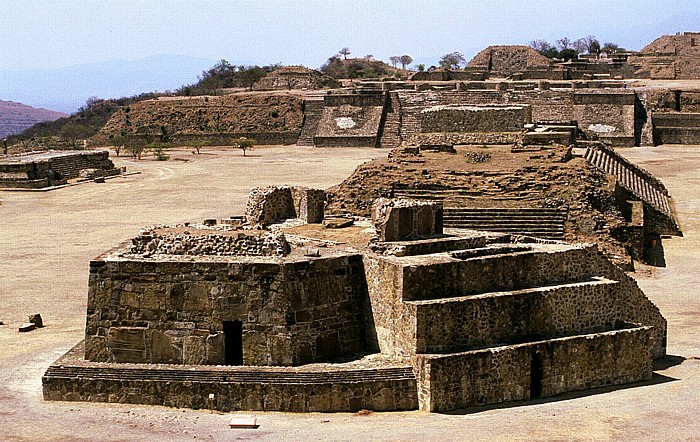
(15, 117)
(68, 88)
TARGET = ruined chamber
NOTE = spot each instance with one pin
(289, 320)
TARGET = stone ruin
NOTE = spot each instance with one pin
(246, 319)
(38, 170)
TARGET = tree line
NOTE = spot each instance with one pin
(566, 49)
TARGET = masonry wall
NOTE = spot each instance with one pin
(449, 325)
(173, 311)
(502, 374)
(520, 270)
(457, 118)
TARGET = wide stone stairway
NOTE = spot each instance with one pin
(530, 221)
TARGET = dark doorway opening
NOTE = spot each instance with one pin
(233, 342)
(535, 376)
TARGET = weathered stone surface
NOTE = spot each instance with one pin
(36, 320)
(27, 327)
(127, 344)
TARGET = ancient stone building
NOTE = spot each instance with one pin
(234, 319)
(53, 168)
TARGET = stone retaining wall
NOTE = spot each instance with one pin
(461, 118)
(534, 369)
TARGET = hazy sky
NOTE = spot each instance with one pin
(57, 33)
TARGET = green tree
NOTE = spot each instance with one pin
(405, 60)
(74, 132)
(248, 76)
(244, 144)
(452, 60)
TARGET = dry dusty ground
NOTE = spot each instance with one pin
(48, 238)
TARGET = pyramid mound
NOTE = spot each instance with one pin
(508, 60)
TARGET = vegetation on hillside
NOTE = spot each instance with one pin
(367, 67)
(224, 75)
(66, 132)
(566, 49)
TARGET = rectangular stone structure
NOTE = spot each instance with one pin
(398, 220)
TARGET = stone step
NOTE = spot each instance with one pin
(234, 375)
(476, 271)
(454, 324)
(534, 369)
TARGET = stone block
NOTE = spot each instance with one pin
(309, 204)
(194, 350)
(162, 349)
(398, 220)
(215, 349)
(36, 320)
(127, 344)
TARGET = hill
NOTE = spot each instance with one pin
(16, 117)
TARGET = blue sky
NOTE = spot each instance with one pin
(58, 53)
(57, 33)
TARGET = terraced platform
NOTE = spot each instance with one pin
(314, 387)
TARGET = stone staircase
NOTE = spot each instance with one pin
(632, 178)
(529, 221)
(391, 130)
(518, 321)
(313, 109)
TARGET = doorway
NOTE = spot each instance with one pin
(536, 376)
(233, 342)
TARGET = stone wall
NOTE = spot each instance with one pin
(460, 118)
(267, 204)
(465, 138)
(316, 388)
(534, 369)
(505, 317)
(172, 310)
(398, 220)
(309, 204)
(608, 115)
(239, 243)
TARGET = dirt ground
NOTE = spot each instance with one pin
(48, 238)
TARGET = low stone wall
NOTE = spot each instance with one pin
(231, 139)
(467, 138)
(237, 244)
(534, 369)
(311, 389)
(461, 277)
(462, 118)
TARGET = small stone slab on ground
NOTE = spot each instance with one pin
(26, 327)
(338, 223)
(243, 422)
